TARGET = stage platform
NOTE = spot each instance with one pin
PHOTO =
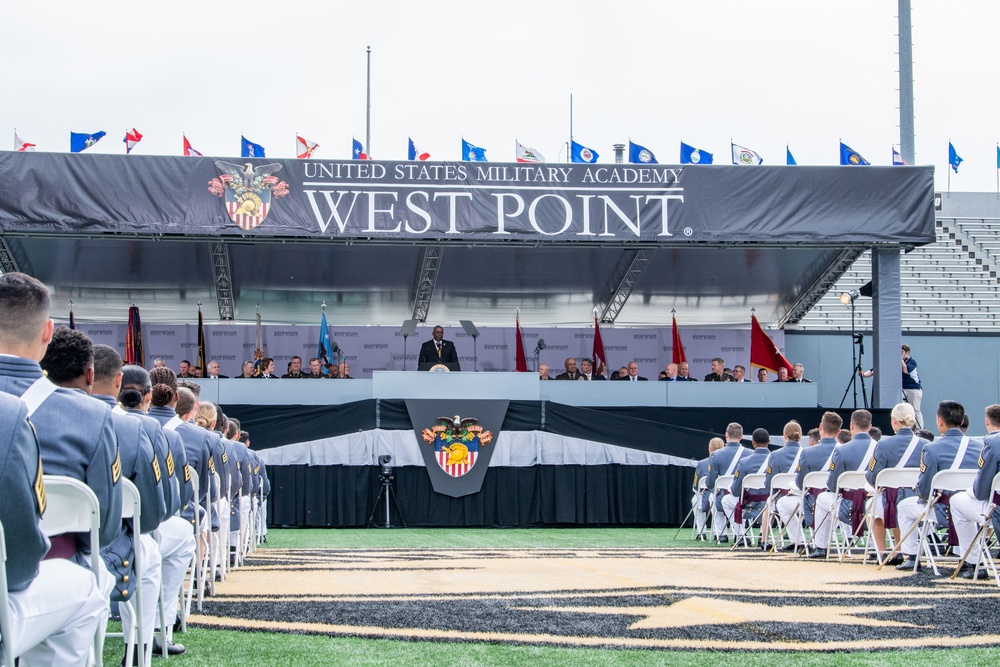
(615, 463)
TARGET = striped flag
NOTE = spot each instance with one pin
(131, 139)
(134, 353)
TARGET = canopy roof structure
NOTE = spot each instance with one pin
(383, 242)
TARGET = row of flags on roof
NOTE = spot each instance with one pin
(637, 153)
(763, 352)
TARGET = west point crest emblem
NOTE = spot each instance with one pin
(456, 443)
(248, 191)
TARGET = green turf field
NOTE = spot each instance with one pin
(228, 648)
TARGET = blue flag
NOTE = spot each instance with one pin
(998, 157)
(640, 154)
(691, 155)
(953, 158)
(581, 153)
(250, 149)
(789, 159)
(323, 351)
(79, 141)
(472, 153)
(850, 157)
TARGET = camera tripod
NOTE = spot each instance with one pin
(386, 477)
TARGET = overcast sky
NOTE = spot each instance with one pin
(764, 74)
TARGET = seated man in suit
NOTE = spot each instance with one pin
(633, 374)
(438, 350)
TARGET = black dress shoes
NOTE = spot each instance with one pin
(817, 553)
(789, 548)
(968, 571)
(896, 560)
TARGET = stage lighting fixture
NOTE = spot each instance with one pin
(847, 298)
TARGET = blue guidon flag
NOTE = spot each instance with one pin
(456, 443)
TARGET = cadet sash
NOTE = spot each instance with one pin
(962, 448)
(909, 452)
(868, 456)
(119, 410)
(37, 393)
(736, 459)
(173, 424)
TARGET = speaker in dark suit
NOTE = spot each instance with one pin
(438, 350)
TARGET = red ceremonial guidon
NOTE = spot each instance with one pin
(763, 352)
(189, 150)
(677, 345)
(520, 364)
(599, 362)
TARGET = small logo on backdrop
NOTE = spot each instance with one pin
(248, 191)
(456, 443)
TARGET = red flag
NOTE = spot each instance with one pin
(189, 150)
(763, 352)
(599, 360)
(202, 361)
(520, 365)
(133, 339)
(677, 345)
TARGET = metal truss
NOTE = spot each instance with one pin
(223, 281)
(834, 270)
(626, 276)
(430, 262)
(7, 262)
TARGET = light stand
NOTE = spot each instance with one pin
(386, 477)
(471, 330)
(409, 326)
(857, 353)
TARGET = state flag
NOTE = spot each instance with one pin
(953, 158)
(745, 156)
(897, 158)
(304, 148)
(692, 155)
(473, 153)
(789, 158)
(189, 150)
(527, 153)
(850, 157)
(79, 141)
(21, 145)
(358, 150)
(250, 149)
(582, 154)
(640, 154)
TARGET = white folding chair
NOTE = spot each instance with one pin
(945, 481)
(132, 509)
(891, 478)
(982, 540)
(7, 657)
(778, 531)
(813, 480)
(751, 481)
(200, 560)
(702, 488)
(722, 483)
(851, 480)
(216, 542)
(72, 507)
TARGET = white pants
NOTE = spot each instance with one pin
(908, 512)
(968, 513)
(700, 516)
(785, 507)
(826, 518)
(220, 537)
(151, 577)
(720, 518)
(55, 619)
(234, 537)
(176, 541)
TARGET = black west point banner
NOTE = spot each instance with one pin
(474, 201)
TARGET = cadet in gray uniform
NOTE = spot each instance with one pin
(969, 507)
(755, 463)
(55, 605)
(815, 458)
(723, 462)
(139, 464)
(952, 450)
(75, 434)
(782, 461)
(174, 536)
(899, 451)
(849, 457)
(701, 499)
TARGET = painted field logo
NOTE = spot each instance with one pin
(456, 443)
(248, 191)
